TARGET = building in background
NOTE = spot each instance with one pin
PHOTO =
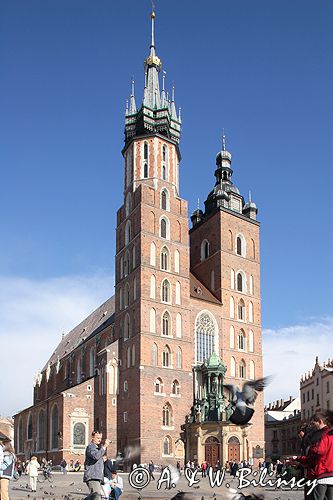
(316, 389)
(180, 296)
(7, 428)
(282, 422)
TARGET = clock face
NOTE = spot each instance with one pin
(79, 434)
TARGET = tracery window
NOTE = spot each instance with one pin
(205, 336)
(167, 415)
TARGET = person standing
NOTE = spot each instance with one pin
(6, 469)
(63, 465)
(32, 471)
(93, 464)
(204, 469)
(151, 468)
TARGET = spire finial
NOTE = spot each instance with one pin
(132, 86)
(126, 109)
(163, 80)
(198, 206)
(152, 16)
(173, 92)
(223, 140)
(250, 196)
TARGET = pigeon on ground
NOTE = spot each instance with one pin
(240, 400)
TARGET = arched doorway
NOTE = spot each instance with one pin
(233, 449)
(212, 450)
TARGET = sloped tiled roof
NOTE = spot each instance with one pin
(97, 319)
(199, 291)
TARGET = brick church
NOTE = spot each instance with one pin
(181, 294)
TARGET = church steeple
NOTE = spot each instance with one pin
(225, 195)
(157, 114)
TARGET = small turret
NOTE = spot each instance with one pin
(250, 208)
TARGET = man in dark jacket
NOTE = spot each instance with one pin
(93, 465)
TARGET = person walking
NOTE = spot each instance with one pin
(93, 464)
(32, 471)
(7, 469)
(63, 466)
(151, 468)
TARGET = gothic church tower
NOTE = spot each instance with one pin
(152, 276)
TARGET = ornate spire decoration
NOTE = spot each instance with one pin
(132, 109)
(158, 113)
(173, 106)
(223, 140)
(126, 109)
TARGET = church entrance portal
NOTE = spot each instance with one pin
(233, 449)
(212, 451)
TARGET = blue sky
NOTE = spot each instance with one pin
(262, 70)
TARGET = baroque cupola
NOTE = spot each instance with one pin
(157, 113)
(225, 194)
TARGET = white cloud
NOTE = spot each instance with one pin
(291, 351)
(33, 315)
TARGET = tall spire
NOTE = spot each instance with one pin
(132, 109)
(153, 66)
(163, 96)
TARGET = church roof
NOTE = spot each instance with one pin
(95, 322)
(199, 291)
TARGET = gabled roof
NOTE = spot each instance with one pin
(95, 322)
(199, 291)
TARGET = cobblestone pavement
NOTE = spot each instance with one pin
(72, 485)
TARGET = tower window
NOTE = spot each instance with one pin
(165, 259)
(165, 201)
(167, 415)
(175, 388)
(179, 358)
(154, 355)
(204, 250)
(242, 370)
(158, 386)
(166, 357)
(164, 172)
(145, 151)
(167, 446)
(164, 153)
(145, 170)
(240, 245)
(166, 324)
(240, 282)
(166, 295)
(164, 228)
(241, 340)
(241, 310)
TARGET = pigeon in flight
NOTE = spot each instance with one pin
(240, 400)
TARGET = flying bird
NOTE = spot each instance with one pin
(240, 400)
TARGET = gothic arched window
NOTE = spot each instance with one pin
(145, 171)
(167, 446)
(167, 415)
(204, 249)
(145, 151)
(158, 385)
(165, 259)
(175, 389)
(166, 324)
(127, 327)
(92, 361)
(241, 340)
(164, 153)
(240, 282)
(205, 336)
(29, 427)
(127, 232)
(20, 435)
(166, 357)
(154, 355)
(54, 427)
(41, 431)
(179, 358)
(242, 369)
(241, 310)
(166, 295)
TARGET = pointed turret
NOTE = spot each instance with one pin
(132, 109)
(153, 66)
(173, 106)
